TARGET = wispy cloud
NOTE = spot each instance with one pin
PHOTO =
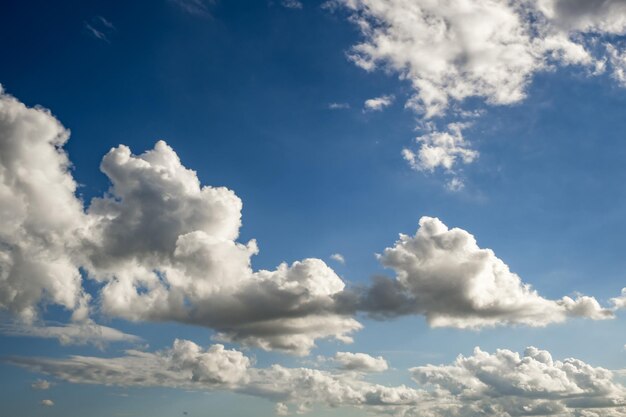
(338, 106)
(100, 28)
(199, 8)
(292, 4)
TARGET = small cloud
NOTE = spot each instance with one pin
(455, 184)
(292, 4)
(378, 103)
(100, 28)
(338, 106)
(47, 403)
(338, 257)
(281, 409)
(195, 7)
(41, 384)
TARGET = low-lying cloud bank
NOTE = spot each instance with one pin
(163, 247)
(504, 383)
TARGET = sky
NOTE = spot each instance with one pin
(326, 208)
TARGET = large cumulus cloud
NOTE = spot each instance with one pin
(443, 274)
(39, 213)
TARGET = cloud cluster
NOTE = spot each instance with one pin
(504, 383)
(443, 274)
(509, 384)
(163, 247)
(456, 49)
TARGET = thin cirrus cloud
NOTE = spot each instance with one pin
(500, 383)
(456, 49)
(100, 28)
(163, 247)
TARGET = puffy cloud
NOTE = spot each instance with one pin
(504, 383)
(378, 103)
(507, 383)
(47, 403)
(41, 384)
(456, 49)
(71, 334)
(620, 302)
(39, 212)
(443, 274)
(166, 249)
(441, 150)
(360, 362)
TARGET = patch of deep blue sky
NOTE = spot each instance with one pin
(242, 96)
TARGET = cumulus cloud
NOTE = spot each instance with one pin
(378, 103)
(456, 49)
(47, 403)
(504, 383)
(37, 257)
(360, 362)
(162, 247)
(620, 302)
(507, 383)
(443, 274)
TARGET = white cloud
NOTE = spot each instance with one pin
(100, 28)
(41, 384)
(338, 106)
(443, 274)
(620, 302)
(338, 257)
(162, 246)
(378, 103)
(198, 8)
(441, 150)
(292, 4)
(37, 242)
(452, 50)
(504, 383)
(507, 383)
(360, 362)
(47, 403)
(71, 334)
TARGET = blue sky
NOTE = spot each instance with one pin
(268, 99)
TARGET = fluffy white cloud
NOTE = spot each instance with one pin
(166, 249)
(455, 49)
(620, 302)
(360, 362)
(292, 4)
(443, 274)
(504, 383)
(378, 103)
(507, 383)
(441, 150)
(162, 246)
(39, 213)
